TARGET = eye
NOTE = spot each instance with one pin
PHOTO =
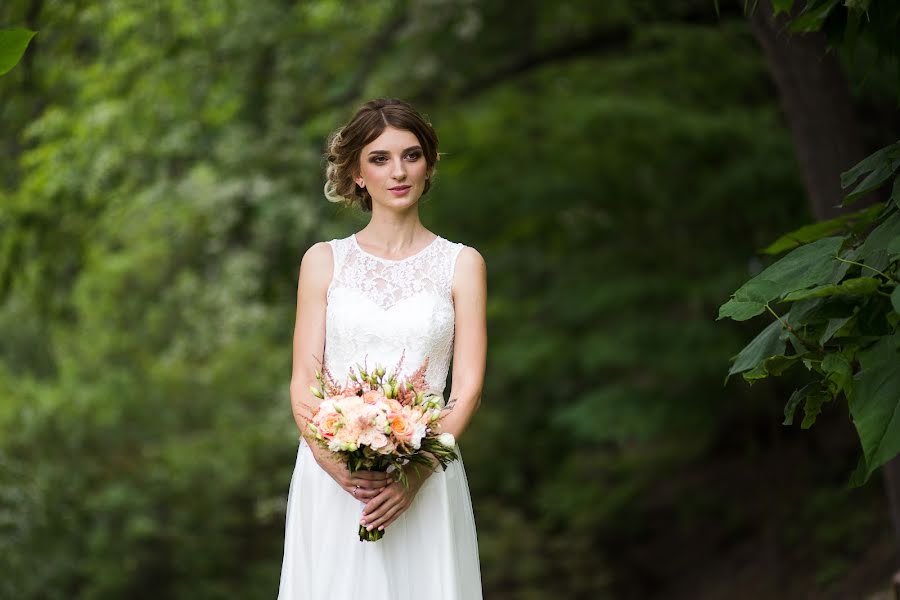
(414, 155)
(378, 159)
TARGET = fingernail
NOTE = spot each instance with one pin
(369, 528)
(381, 527)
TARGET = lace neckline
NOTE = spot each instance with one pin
(392, 260)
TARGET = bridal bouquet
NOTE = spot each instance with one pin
(377, 422)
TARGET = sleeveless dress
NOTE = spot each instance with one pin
(378, 308)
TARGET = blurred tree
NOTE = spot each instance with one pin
(617, 168)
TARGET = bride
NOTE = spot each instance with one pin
(392, 290)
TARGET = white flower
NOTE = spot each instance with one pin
(419, 431)
(446, 439)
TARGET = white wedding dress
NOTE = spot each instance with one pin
(377, 309)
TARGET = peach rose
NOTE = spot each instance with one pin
(371, 397)
(400, 426)
(330, 423)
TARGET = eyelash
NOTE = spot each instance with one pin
(415, 156)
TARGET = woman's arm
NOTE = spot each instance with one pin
(316, 269)
(309, 330)
(470, 340)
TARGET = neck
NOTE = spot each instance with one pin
(394, 233)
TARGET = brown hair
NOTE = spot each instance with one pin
(346, 143)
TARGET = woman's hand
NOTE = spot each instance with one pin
(362, 485)
(387, 505)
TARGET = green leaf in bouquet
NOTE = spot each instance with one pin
(895, 299)
(858, 286)
(816, 231)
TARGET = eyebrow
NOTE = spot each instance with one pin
(386, 152)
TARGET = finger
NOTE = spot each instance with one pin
(364, 494)
(393, 497)
(387, 517)
(374, 504)
(372, 475)
(367, 483)
(393, 518)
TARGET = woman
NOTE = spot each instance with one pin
(393, 289)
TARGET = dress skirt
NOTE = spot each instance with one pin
(430, 551)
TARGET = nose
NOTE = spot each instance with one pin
(399, 169)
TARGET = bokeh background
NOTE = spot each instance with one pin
(619, 164)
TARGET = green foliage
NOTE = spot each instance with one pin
(615, 167)
(844, 324)
(13, 43)
(845, 318)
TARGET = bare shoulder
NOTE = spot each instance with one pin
(319, 254)
(471, 270)
(470, 260)
(316, 266)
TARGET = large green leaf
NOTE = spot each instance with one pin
(801, 268)
(893, 247)
(13, 43)
(852, 287)
(877, 247)
(815, 231)
(879, 165)
(748, 302)
(768, 343)
(832, 327)
(875, 404)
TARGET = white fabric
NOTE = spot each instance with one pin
(377, 308)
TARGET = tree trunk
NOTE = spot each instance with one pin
(817, 106)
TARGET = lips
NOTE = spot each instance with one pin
(399, 188)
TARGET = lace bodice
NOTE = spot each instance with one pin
(378, 307)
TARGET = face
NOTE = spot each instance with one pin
(393, 169)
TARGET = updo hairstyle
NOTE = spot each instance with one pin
(346, 143)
